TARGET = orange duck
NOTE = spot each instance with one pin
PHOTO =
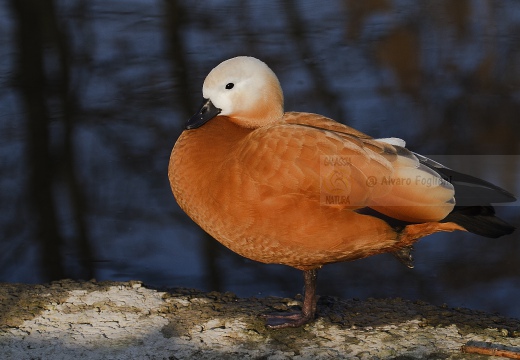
(303, 190)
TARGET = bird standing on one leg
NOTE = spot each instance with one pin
(303, 190)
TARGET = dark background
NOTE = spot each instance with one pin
(93, 95)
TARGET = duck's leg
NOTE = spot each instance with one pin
(279, 321)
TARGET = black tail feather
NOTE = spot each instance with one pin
(472, 191)
(474, 197)
(469, 190)
(480, 220)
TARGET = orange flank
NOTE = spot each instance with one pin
(303, 190)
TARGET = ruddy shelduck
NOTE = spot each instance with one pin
(303, 190)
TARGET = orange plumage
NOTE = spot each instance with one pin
(257, 180)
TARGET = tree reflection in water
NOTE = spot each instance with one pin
(93, 95)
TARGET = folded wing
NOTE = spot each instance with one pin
(335, 165)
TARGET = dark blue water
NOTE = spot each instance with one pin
(93, 95)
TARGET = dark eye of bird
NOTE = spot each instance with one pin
(230, 86)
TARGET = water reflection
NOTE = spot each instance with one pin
(93, 95)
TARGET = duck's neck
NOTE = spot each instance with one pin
(266, 109)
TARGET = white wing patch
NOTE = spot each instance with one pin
(393, 141)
